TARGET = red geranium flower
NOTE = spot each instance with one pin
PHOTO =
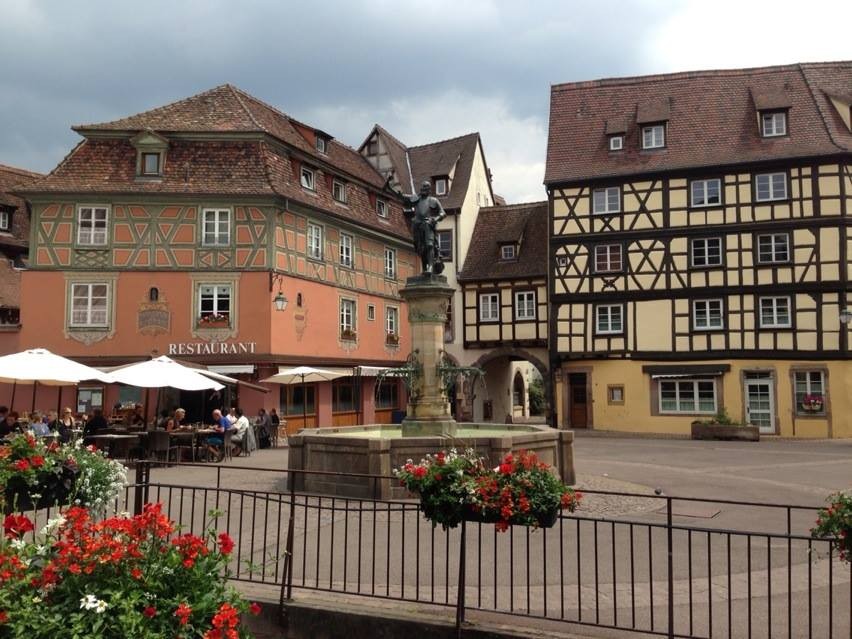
(182, 613)
(37, 461)
(254, 608)
(226, 544)
(150, 612)
(17, 525)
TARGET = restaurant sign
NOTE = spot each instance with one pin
(212, 348)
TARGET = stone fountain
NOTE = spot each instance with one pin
(428, 425)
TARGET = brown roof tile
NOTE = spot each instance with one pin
(496, 225)
(711, 121)
(439, 158)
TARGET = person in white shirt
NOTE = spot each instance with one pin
(243, 438)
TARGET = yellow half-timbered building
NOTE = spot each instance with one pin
(699, 250)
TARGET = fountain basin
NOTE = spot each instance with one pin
(376, 449)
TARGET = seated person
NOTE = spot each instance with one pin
(163, 420)
(9, 425)
(137, 418)
(66, 426)
(38, 426)
(215, 443)
(243, 435)
(96, 423)
(180, 418)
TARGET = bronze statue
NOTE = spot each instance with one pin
(425, 211)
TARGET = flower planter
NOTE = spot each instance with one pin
(56, 489)
(546, 519)
(725, 432)
(813, 407)
(214, 323)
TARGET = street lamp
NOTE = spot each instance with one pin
(280, 301)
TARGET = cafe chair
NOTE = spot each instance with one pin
(159, 446)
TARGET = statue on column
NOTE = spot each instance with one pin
(425, 211)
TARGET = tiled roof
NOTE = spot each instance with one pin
(439, 158)
(10, 284)
(497, 225)
(711, 119)
(10, 178)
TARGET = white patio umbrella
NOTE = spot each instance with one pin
(163, 372)
(302, 375)
(40, 366)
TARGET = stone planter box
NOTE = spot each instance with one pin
(701, 430)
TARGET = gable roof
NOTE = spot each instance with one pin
(10, 178)
(442, 158)
(524, 224)
(711, 119)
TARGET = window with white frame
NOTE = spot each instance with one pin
(390, 263)
(810, 392)
(654, 136)
(322, 146)
(707, 315)
(705, 192)
(489, 307)
(92, 225)
(508, 252)
(616, 142)
(5, 220)
(217, 227)
(688, 396)
(346, 250)
(445, 245)
(773, 124)
(440, 186)
(151, 164)
(706, 252)
(392, 321)
(347, 318)
(775, 312)
(771, 186)
(338, 191)
(606, 200)
(308, 178)
(371, 312)
(773, 248)
(609, 319)
(90, 304)
(608, 258)
(381, 208)
(214, 302)
(525, 305)
(314, 241)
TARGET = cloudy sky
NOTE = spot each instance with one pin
(424, 69)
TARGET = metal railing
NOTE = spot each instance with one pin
(655, 572)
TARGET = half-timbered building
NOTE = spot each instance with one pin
(219, 230)
(699, 245)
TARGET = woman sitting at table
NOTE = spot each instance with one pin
(95, 424)
(37, 425)
(65, 427)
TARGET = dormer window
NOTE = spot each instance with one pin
(151, 164)
(773, 124)
(654, 136)
(322, 145)
(307, 178)
(508, 251)
(616, 142)
(5, 220)
(441, 186)
(381, 208)
(338, 191)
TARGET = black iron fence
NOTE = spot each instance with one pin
(677, 568)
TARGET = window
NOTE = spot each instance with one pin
(615, 394)
(217, 227)
(392, 321)
(507, 252)
(654, 137)
(343, 395)
(345, 250)
(338, 191)
(449, 333)
(92, 225)
(151, 164)
(314, 241)
(616, 142)
(707, 315)
(688, 396)
(347, 319)
(371, 312)
(292, 399)
(390, 263)
(440, 186)
(607, 258)
(773, 248)
(609, 319)
(489, 307)
(773, 124)
(775, 312)
(5, 220)
(706, 192)
(706, 252)
(771, 186)
(525, 305)
(308, 178)
(322, 146)
(89, 304)
(810, 392)
(445, 245)
(387, 395)
(381, 208)
(606, 200)
(153, 294)
(214, 302)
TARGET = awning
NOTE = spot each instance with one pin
(230, 380)
(670, 375)
(371, 371)
(232, 369)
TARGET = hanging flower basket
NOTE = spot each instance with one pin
(214, 321)
(835, 523)
(53, 488)
(392, 339)
(521, 491)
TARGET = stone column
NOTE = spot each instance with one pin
(428, 411)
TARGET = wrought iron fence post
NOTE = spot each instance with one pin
(461, 586)
(140, 493)
(670, 547)
(287, 583)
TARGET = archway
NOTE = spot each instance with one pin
(519, 395)
(512, 377)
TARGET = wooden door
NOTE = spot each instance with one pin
(578, 401)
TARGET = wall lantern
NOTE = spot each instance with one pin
(279, 300)
(845, 316)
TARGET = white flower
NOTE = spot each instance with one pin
(18, 544)
(90, 602)
(52, 525)
(102, 606)
(36, 600)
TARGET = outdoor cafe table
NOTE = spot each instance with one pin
(196, 437)
(111, 438)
